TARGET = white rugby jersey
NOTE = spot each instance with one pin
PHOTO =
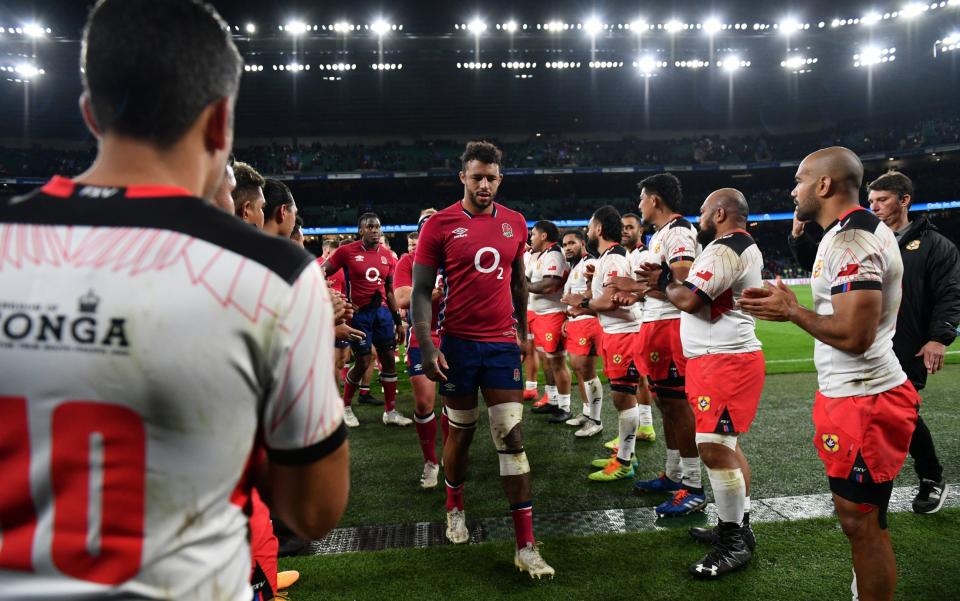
(719, 275)
(611, 264)
(639, 256)
(528, 260)
(675, 242)
(858, 252)
(549, 263)
(577, 282)
(149, 344)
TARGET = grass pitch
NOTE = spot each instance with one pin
(797, 560)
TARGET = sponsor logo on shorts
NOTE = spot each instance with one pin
(449, 386)
(618, 359)
(831, 443)
(507, 230)
(549, 336)
(654, 357)
(418, 367)
(913, 245)
(703, 403)
(516, 372)
(583, 342)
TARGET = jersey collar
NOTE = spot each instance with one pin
(471, 215)
(842, 217)
(63, 187)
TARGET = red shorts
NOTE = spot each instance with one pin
(548, 332)
(878, 427)
(530, 318)
(659, 350)
(617, 353)
(724, 391)
(263, 547)
(583, 337)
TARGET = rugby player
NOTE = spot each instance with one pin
(478, 244)
(128, 467)
(865, 409)
(620, 326)
(368, 269)
(549, 273)
(661, 353)
(248, 197)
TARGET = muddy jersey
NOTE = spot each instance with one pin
(148, 341)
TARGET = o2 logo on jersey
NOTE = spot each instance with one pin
(831, 443)
(373, 275)
(481, 257)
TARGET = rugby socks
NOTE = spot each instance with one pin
(364, 390)
(563, 401)
(389, 383)
(628, 434)
(646, 415)
(595, 394)
(729, 493)
(349, 387)
(427, 433)
(343, 373)
(672, 469)
(586, 409)
(454, 495)
(691, 473)
(523, 523)
(551, 393)
(746, 509)
(531, 385)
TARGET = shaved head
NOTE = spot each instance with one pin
(713, 223)
(840, 164)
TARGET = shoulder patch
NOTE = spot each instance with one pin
(860, 220)
(681, 222)
(617, 250)
(737, 241)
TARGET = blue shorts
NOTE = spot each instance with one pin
(378, 325)
(475, 365)
(341, 344)
(414, 362)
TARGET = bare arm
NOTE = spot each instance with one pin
(683, 298)
(518, 289)
(680, 270)
(403, 294)
(852, 328)
(311, 498)
(548, 285)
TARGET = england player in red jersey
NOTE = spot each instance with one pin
(478, 244)
(424, 389)
(865, 410)
(725, 368)
(368, 270)
(127, 468)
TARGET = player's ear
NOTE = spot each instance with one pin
(88, 119)
(216, 127)
(463, 178)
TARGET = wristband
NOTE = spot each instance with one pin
(666, 276)
(585, 303)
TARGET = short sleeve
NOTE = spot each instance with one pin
(403, 276)
(680, 245)
(854, 261)
(554, 265)
(430, 244)
(303, 414)
(616, 266)
(336, 258)
(713, 272)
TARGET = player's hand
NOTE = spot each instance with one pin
(770, 303)
(624, 284)
(588, 272)
(339, 306)
(401, 333)
(933, 353)
(798, 225)
(434, 363)
(624, 299)
(526, 349)
(345, 332)
(650, 274)
(437, 294)
(572, 299)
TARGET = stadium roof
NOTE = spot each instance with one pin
(421, 69)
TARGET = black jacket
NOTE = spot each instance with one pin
(930, 309)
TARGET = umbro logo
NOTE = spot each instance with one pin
(460, 232)
(358, 258)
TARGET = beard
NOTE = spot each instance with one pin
(593, 247)
(480, 201)
(706, 235)
(807, 211)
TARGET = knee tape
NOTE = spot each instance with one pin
(727, 440)
(462, 419)
(507, 437)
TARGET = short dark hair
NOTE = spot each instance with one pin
(365, 216)
(150, 68)
(893, 181)
(577, 233)
(483, 151)
(297, 227)
(248, 180)
(413, 235)
(330, 243)
(610, 223)
(549, 228)
(631, 216)
(667, 187)
(277, 194)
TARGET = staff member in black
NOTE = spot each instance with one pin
(929, 314)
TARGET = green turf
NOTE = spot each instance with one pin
(805, 560)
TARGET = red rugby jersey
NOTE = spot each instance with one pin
(475, 255)
(364, 271)
(404, 277)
